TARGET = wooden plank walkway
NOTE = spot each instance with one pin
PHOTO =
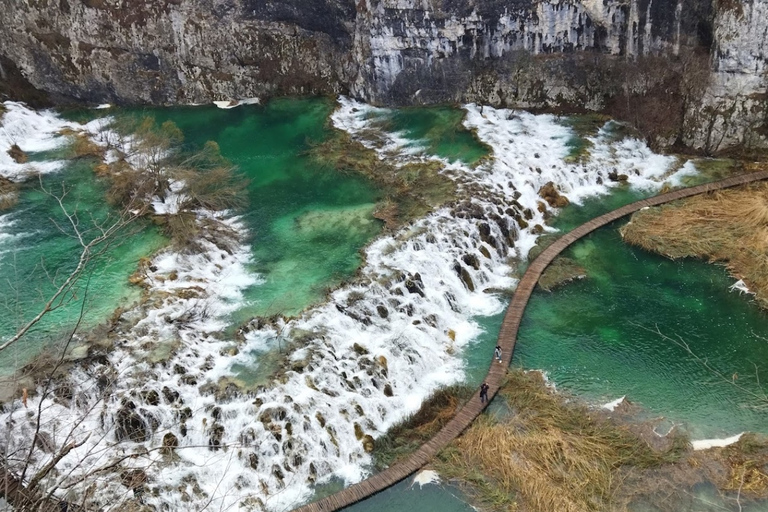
(507, 338)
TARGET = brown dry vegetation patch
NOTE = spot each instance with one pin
(550, 454)
(728, 226)
(18, 154)
(561, 271)
(8, 194)
(408, 435)
(413, 190)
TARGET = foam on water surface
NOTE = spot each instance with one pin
(360, 362)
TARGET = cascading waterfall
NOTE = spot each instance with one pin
(360, 362)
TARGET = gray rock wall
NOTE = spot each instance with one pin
(567, 54)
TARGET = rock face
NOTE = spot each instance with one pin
(593, 54)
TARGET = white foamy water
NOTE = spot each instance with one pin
(359, 363)
(32, 131)
(35, 131)
(612, 405)
(705, 444)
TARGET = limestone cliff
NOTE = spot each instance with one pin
(687, 72)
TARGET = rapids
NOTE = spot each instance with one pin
(361, 359)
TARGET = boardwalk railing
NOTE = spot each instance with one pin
(507, 338)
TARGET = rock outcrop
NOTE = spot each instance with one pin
(684, 72)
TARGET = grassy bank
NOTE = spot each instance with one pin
(728, 227)
(544, 451)
(550, 453)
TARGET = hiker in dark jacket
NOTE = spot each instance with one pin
(484, 393)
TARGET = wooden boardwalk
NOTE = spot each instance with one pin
(507, 338)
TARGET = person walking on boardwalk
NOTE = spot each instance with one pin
(497, 353)
(484, 393)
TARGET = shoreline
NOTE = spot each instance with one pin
(344, 314)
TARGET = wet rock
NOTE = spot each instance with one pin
(130, 424)
(615, 176)
(485, 252)
(277, 472)
(216, 413)
(170, 442)
(217, 433)
(541, 207)
(467, 279)
(414, 286)
(485, 232)
(179, 369)
(538, 229)
(527, 214)
(171, 395)
(383, 363)
(185, 414)
(359, 349)
(133, 478)
(289, 428)
(253, 461)
(388, 390)
(552, 196)
(312, 478)
(471, 260)
(44, 442)
(382, 311)
(358, 431)
(18, 155)
(368, 443)
(189, 380)
(151, 397)
(320, 419)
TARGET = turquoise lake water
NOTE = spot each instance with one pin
(308, 224)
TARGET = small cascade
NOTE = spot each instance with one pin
(358, 364)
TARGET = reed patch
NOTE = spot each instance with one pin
(728, 227)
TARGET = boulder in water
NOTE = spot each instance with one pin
(552, 196)
(467, 279)
(368, 443)
(170, 442)
(471, 260)
(130, 424)
(18, 155)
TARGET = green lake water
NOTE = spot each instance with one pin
(308, 224)
(41, 252)
(592, 336)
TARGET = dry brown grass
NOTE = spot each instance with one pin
(84, 147)
(728, 226)
(550, 454)
(408, 435)
(561, 271)
(8, 194)
(747, 463)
